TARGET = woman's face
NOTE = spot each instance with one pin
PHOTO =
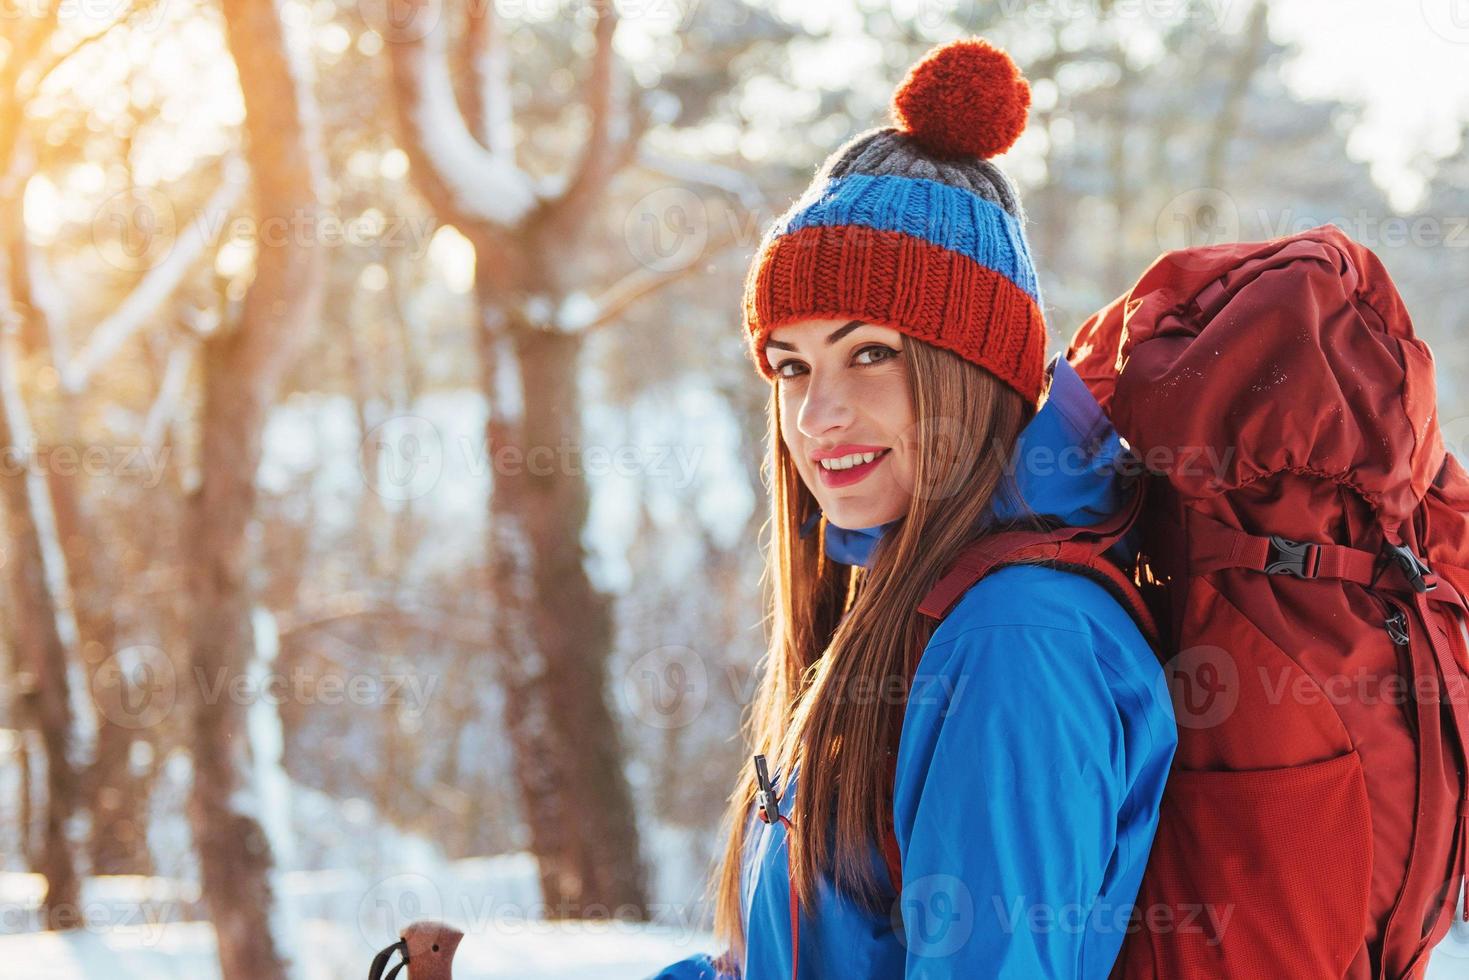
(846, 415)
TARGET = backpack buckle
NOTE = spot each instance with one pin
(1414, 569)
(1287, 557)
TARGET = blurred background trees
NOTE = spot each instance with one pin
(385, 458)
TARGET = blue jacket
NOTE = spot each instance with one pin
(1036, 740)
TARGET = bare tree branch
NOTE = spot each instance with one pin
(134, 13)
(707, 174)
(157, 285)
(1226, 121)
(598, 161)
(170, 394)
(644, 282)
(488, 61)
(473, 183)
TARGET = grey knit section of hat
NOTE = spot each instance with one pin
(886, 150)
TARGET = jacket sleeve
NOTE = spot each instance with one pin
(1006, 802)
(700, 967)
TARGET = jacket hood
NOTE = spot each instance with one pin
(1064, 466)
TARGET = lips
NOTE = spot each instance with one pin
(845, 449)
(853, 474)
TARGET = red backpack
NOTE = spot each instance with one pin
(1312, 535)
(1304, 554)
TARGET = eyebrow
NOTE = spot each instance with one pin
(832, 338)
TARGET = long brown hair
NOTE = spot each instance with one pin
(825, 698)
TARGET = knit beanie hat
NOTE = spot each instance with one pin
(911, 226)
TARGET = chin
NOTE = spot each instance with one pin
(852, 514)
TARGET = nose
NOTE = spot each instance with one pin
(826, 405)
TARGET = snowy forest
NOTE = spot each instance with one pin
(382, 481)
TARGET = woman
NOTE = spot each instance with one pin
(1016, 753)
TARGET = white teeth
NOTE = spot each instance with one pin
(848, 461)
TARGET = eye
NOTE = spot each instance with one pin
(882, 352)
(878, 352)
(780, 369)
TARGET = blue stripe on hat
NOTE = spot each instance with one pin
(942, 214)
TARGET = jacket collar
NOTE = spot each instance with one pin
(1064, 466)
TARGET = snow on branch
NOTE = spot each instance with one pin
(581, 314)
(485, 186)
(706, 173)
(158, 284)
(171, 391)
(490, 62)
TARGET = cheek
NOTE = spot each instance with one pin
(893, 403)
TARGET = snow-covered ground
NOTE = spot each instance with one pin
(185, 951)
(366, 881)
(356, 882)
(489, 898)
(138, 928)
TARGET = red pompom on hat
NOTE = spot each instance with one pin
(963, 98)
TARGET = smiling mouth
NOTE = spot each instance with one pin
(849, 469)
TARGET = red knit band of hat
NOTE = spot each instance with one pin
(896, 280)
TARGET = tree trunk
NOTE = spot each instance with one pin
(553, 629)
(113, 794)
(42, 685)
(241, 371)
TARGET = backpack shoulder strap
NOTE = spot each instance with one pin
(1080, 549)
